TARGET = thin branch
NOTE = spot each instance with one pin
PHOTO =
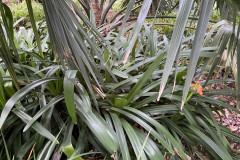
(122, 10)
(151, 17)
(169, 24)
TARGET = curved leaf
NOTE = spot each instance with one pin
(20, 94)
(98, 126)
(43, 110)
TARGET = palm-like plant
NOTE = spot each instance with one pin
(104, 96)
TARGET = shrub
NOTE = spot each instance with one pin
(20, 10)
(117, 5)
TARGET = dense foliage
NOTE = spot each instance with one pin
(80, 85)
(20, 11)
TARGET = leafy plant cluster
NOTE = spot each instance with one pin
(67, 91)
(19, 11)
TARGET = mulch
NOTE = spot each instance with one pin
(229, 119)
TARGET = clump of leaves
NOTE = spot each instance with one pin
(19, 10)
(103, 96)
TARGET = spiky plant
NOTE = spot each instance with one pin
(83, 95)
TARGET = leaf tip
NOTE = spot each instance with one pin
(24, 129)
(159, 94)
(74, 119)
(182, 105)
(126, 57)
(1, 124)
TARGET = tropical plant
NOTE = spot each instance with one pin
(82, 91)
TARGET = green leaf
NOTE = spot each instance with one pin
(133, 137)
(5, 146)
(222, 46)
(20, 94)
(108, 7)
(70, 151)
(150, 147)
(121, 137)
(143, 146)
(135, 90)
(119, 73)
(26, 147)
(9, 18)
(52, 147)
(205, 12)
(211, 144)
(36, 126)
(159, 128)
(6, 55)
(97, 125)
(107, 60)
(120, 102)
(42, 153)
(2, 96)
(175, 41)
(141, 18)
(218, 140)
(147, 127)
(8, 24)
(68, 86)
(43, 110)
(127, 14)
(31, 15)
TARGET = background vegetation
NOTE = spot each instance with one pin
(96, 79)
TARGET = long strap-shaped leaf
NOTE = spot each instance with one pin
(206, 9)
(142, 16)
(89, 40)
(121, 137)
(122, 10)
(69, 81)
(144, 78)
(149, 146)
(145, 125)
(81, 51)
(5, 54)
(63, 20)
(97, 125)
(30, 11)
(61, 37)
(70, 152)
(36, 126)
(128, 12)
(210, 143)
(7, 19)
(175, 41)
(43, 110)
(222, 46)
(237, 42)
(59, 45)
(2, 95)
(160, 128)
(106, 11)
(18, 95)
(133, 137)
(86, 21)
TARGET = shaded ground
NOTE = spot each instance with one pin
(231, 119)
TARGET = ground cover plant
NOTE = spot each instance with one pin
(19, 11)
(82, 84)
